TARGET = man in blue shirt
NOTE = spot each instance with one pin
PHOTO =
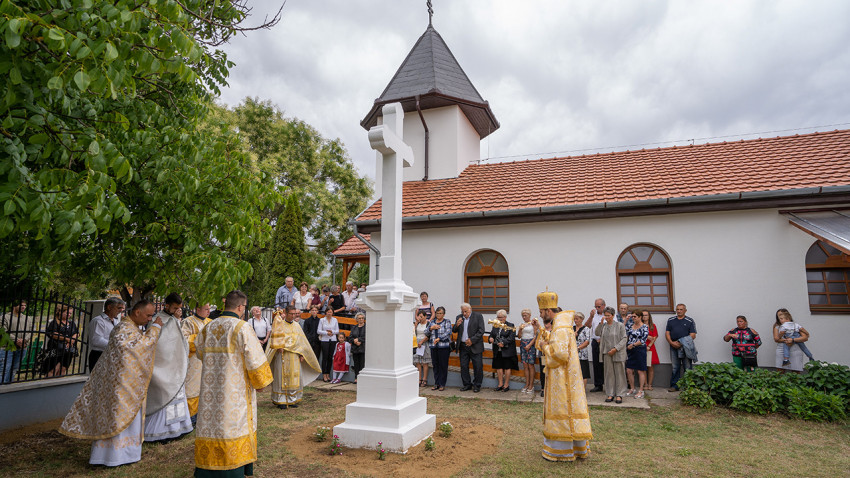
(285, 294)
(679, 326)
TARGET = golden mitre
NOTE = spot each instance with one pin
(547, 300)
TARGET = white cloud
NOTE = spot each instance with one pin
(559, 75)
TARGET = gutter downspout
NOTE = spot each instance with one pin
(370, 246)
(427, 134)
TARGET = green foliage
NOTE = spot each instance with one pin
(696, 398)
(317, 170)
(719, 380)
(819, 394)
(360, 274)
(755, 400)
(6, 342)
(809, 404)
(830, 378)
(103, 168)
(287, 253)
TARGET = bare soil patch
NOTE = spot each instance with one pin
(449, 455)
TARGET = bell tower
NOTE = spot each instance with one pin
(445, 116)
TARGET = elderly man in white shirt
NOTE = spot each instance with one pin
(101, 327)
(350, 298)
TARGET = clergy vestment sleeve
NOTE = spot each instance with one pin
(256, 365)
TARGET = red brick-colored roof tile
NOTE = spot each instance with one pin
(352, 247)
(770, 164)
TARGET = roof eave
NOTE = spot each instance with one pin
(739, 200)
(409, 105)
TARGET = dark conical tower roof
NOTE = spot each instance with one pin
(431, 72)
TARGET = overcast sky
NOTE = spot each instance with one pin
(563, 76)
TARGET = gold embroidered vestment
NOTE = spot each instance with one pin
(565, 414)
(115, 391)
(234, 367)
(190, 327)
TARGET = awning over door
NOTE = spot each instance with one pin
(829, 225)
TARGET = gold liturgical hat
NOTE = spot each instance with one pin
(547, 300)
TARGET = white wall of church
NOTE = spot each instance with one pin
(454, 143)
(724, 264)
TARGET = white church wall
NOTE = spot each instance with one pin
(454, 143)
(724, 264)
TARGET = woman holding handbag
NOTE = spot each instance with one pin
(745, 342)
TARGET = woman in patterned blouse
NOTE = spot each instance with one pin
(637, 335)
(745, 341)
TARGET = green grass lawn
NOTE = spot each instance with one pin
(664, 441)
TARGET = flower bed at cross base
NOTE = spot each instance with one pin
(820, 393)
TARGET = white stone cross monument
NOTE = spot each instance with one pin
(388, 407)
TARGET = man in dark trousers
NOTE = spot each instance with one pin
(469, 327)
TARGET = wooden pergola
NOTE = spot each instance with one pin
(351, 252)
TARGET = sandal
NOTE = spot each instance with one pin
(441, 389)
(618, 400)
(639, 394)
(435, 387)
(609, 399)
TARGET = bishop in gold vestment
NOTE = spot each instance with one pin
(288, 348)
(110, 408)
(234, 367)
(566, 421)
(190, 327)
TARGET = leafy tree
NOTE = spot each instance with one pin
(103, 169)
(301, 162)
(287, 253)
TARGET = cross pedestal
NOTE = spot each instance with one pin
(388, 407)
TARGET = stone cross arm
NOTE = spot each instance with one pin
(385, 138)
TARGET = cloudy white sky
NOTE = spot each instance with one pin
(564, 76)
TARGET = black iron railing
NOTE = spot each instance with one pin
(49, 332)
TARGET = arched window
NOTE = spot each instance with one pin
(645, 278)
(486, 279)
(828, 278)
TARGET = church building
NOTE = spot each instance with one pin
(732, 228)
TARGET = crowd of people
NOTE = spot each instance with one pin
(157, 376)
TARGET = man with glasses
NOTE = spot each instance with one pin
(101, 326)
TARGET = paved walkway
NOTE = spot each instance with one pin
(656, 397)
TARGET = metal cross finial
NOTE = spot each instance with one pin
(430, 11)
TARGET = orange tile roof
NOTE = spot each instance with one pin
(352, 247)
(771, 164)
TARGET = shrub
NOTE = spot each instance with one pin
(829, 378)
(755, 400)
(696, 397)
(809, 404)
(720, 380)
(779, 385)
(822, 393)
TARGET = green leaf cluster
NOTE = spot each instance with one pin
(103, 166)
(286, 255)
(300, 161)
(820, 393)
(806, 403)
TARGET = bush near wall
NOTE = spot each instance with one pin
(821, 393)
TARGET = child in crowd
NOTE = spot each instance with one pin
(341, 358)
(790, 330)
